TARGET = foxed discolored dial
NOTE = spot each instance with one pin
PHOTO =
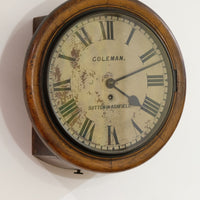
(109, 82)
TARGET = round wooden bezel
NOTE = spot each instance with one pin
(43, 123)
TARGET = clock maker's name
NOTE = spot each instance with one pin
(107, 58)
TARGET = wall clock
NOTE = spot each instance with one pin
(104, 83)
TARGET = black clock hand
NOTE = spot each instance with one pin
(133, 100)
(137, 71)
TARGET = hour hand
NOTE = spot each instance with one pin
(133, 100)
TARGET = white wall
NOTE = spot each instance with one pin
(173, 174)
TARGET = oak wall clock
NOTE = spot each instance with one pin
(104, 83)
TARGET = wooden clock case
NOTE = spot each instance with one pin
(57, 150)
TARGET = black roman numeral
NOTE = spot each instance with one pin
(112, 134)
(70, 110)
(85, 39)
(150, 106)
(130, 36)
(107, 30)
(88, 127)
(67, 57)
(155, 80)
(136, 127)
(62, 86)
(149, 54)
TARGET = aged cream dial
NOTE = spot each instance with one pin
(109, 82)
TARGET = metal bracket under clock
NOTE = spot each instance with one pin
(39, 149)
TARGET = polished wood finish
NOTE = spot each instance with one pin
(43, 123)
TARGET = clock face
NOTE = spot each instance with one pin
(109, 82)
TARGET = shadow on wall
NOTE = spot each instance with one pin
(11, 96)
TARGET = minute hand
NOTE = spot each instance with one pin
(139, 70)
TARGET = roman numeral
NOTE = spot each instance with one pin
(85, 40)
(69, 109)
(150, 106)
(62, 86)
(155, 80)
(112, 134)
(149, 54)
(136, 127)
(107, 31)
(88, 127)
(130, 36)
(67, 57)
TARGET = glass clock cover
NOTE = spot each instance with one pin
(109, 82)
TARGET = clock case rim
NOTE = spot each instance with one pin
(41, 121)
